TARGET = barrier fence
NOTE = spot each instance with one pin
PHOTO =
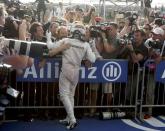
(153, 88)
(110, 85)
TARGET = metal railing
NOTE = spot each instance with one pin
(91, 97)
(152, 93)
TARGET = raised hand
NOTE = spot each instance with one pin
(48, 35)
(49, 40)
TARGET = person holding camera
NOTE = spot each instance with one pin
(110, 41)
(111, 50)
(130, 25)
(137, 53)
(10, 56)
(155, 45)
(136, 47)
(14, 29)
(159, 87)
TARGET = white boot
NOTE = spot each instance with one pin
(64, 121)
(71, 125)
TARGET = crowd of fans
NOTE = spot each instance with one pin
(108, 40)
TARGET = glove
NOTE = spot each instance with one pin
(49, 40)
(48, 35)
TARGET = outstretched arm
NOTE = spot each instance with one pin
(90, 54)
(59, 49)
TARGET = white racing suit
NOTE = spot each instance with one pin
(69, 76)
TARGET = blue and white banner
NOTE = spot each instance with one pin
(160, 72)
(101, 71)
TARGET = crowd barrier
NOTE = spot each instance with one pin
(107, 86)
(153, 88)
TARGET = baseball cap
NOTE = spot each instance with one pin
(158, 31)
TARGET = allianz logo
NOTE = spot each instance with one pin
(111, 71)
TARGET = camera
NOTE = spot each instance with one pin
(96, 31)
(132, 19)
(155, 44)
(112, 115)
(127, 39)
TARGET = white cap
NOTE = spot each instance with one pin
(158, 31)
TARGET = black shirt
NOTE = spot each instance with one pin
(44, 39)
(141, 49)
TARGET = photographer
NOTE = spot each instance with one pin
(155, 48)
(159, 87)
(138, 51)
(111, 50)
(130, 25)
(155, 44)
(11, 29)
(9, 56)
(110, 41)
